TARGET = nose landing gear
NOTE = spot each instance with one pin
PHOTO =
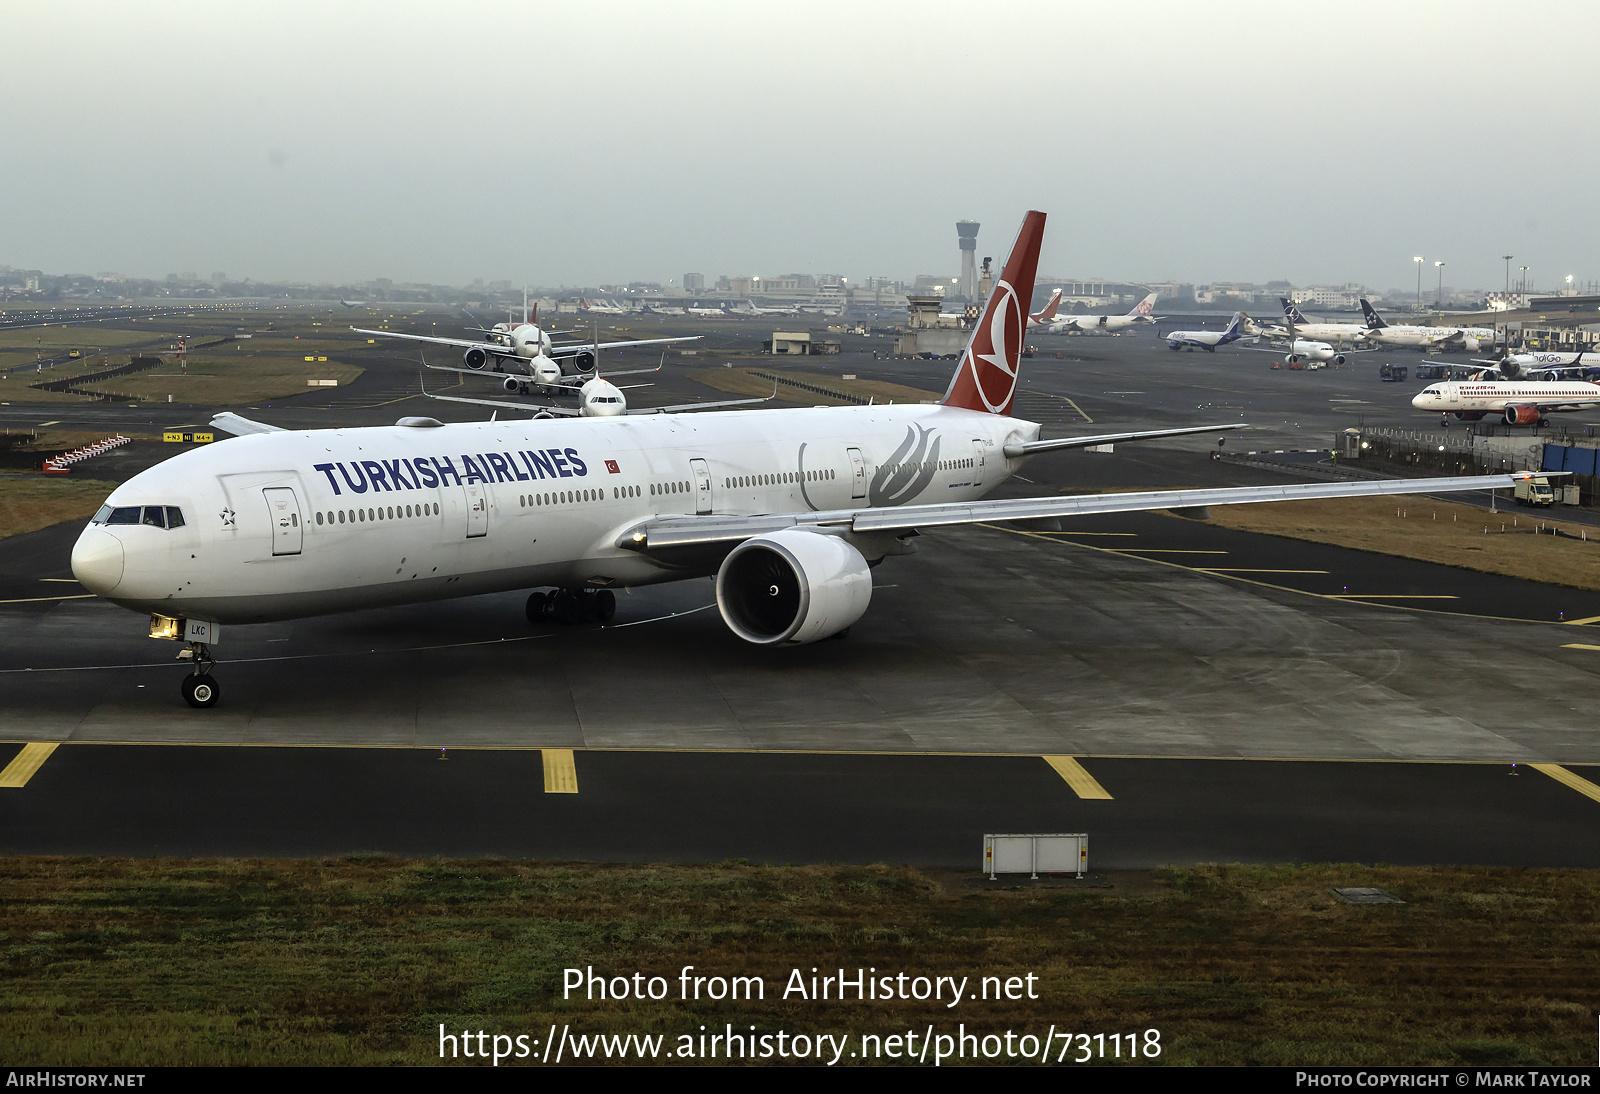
(199, 688)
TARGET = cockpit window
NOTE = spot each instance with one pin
(156, 516)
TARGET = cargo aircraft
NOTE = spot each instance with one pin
(788, 510)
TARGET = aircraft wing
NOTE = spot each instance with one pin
(433, 340)
(681, 531)
(230, 422)
(537, 408)
(572, 348)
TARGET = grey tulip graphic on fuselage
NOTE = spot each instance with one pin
(908, 472)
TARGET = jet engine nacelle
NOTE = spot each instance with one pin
(1294, 358)
(1337, 359)
(1473, 344)
(1522, 415)
(475, 358)
(583, 361)
(792, 587)
(1468, 415)
(514, 386)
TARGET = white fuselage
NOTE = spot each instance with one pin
(1085, 324)
(1204, 339)
(1415, 336)
(1548, 358)
(295, 523)
(1312, 351)
(1494, 396)
(1339, 334)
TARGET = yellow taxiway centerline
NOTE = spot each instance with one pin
(1083, 784)
(1567, 778)
(1246, 570)
(1578, 646)
(28, 761)
(560, 773)
(1582, 622)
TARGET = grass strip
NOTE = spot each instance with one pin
(1507, 542)
(359, 960)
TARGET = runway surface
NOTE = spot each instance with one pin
(1239, 697)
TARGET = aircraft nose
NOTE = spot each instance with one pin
(1418, 402)
(97, 561)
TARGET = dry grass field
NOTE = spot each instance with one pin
(1507, 543)
(359, 960)
(31, 502)
(227, 379)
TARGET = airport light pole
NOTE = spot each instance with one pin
(1440, 302)
(1418, 261)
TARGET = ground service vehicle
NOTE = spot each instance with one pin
(1534, 491)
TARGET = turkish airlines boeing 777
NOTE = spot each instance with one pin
(788, 509)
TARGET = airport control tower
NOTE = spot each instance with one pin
(967, 234)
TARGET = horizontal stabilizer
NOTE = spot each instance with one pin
(1031, 448)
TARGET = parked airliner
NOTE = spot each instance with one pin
(1423, 337)
(1519, 403)
(1107, 324)
(1207, 340)
(787, 509)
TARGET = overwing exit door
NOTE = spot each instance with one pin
(283, 512)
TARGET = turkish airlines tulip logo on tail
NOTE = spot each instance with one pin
(986, 379)
(993, 355)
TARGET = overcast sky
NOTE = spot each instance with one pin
(579, 143)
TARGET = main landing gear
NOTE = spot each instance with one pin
(570, 607)
(199, 688)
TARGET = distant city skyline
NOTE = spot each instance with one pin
(553, 143)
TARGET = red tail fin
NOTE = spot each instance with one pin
(1049, 312)
(986, 378)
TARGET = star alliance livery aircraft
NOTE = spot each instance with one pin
(788, 509)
